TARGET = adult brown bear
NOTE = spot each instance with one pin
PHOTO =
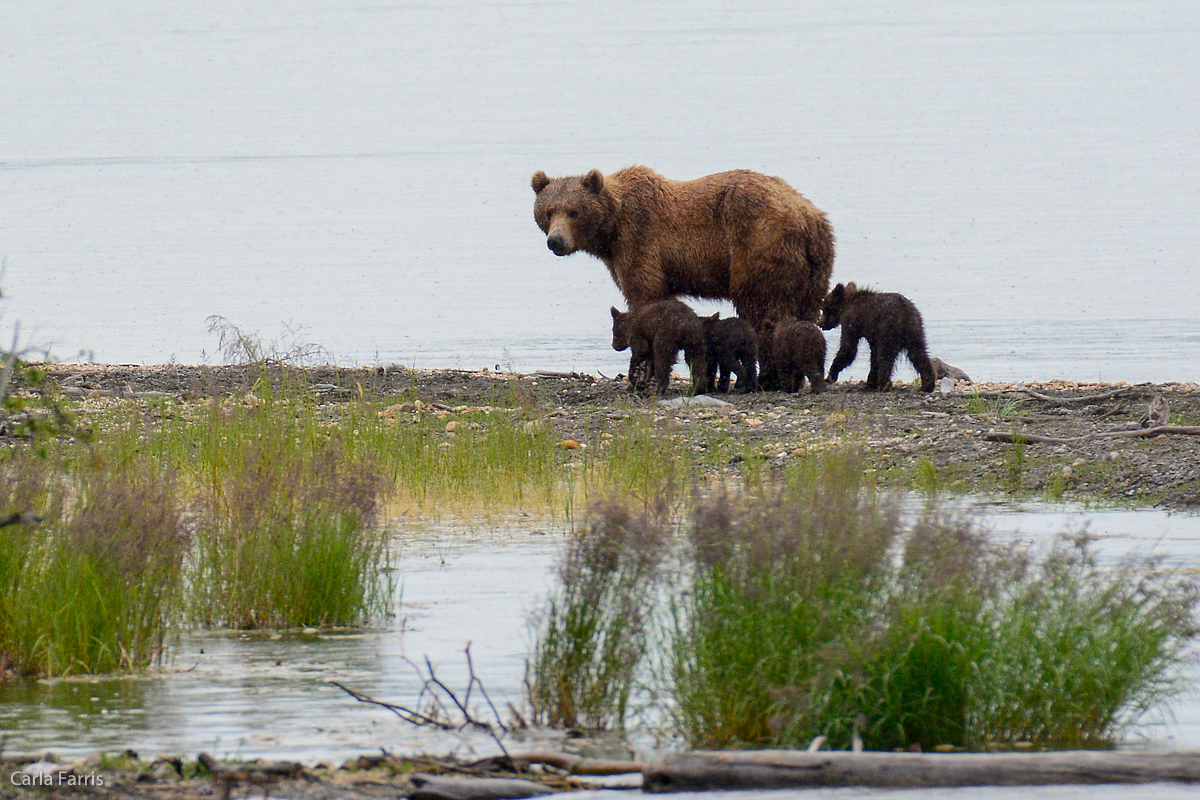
(740, 236)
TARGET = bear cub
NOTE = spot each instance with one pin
(732, 348)
(889, 322)
(656, 333)
(795, 350)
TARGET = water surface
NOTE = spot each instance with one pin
(1026, 172)
(270, 696)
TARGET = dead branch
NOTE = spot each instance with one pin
(227, 776)
(468, 719)
(406, 714)
(436, 712)
(475, 680)
(1141, 433)
(575, 765)
(1090, 398)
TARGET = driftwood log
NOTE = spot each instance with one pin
(788, 769)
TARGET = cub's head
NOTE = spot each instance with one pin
(620, 329)
(831, 311)
(575, 213)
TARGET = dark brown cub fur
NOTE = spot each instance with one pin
(796, 350)
(732, 348)
(889, 322)
(657, 332)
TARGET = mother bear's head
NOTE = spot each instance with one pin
(576, 213)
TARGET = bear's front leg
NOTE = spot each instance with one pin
(847, 352)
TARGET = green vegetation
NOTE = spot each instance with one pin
(90, 578)
(814, 607)
(801, 602)
(593, 632)
(175, 513)
(1003, 407)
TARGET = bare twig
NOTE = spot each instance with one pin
(468, 720)
(437, 712)
(406, 714)
(1141, 433)
(482, 689)
(1090, 398)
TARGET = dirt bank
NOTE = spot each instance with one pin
(913, 440)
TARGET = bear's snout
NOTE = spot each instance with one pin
(557, 244)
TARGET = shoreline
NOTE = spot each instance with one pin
(913, 441)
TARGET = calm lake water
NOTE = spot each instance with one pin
(1027, 172)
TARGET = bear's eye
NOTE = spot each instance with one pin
(572, 213)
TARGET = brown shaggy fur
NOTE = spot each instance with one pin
(740, 236)
(889, 322)
(796, 350)
(657, 332)
(732, 348)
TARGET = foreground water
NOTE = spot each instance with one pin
(271, 696)
(1025, 171)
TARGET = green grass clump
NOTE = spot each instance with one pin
(995, 406)
(816, 609)
(287, 534)
(1081, 650)
(777, 579)
(470, 462)
(93, 583)
(593, 632)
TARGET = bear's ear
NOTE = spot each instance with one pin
(540, 181)
(714, 317)
(851, 288)
(616, 314)
(593, 181)
(838, 292)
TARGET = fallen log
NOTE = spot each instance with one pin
(788, 769)
(447, 787)
(1140, 433)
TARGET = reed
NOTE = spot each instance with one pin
(93, 586)
(287, 534)
(593, 632)
(777, 578)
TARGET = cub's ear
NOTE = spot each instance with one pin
(616, 314)
(593, 181)
(839, 291)
(851, 288)
(714, 317)
(540, 181)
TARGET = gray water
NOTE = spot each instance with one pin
(270, 696)
(1027, 172)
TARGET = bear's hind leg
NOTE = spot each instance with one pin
(665, 350)
(923, 366)
(884, 364)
